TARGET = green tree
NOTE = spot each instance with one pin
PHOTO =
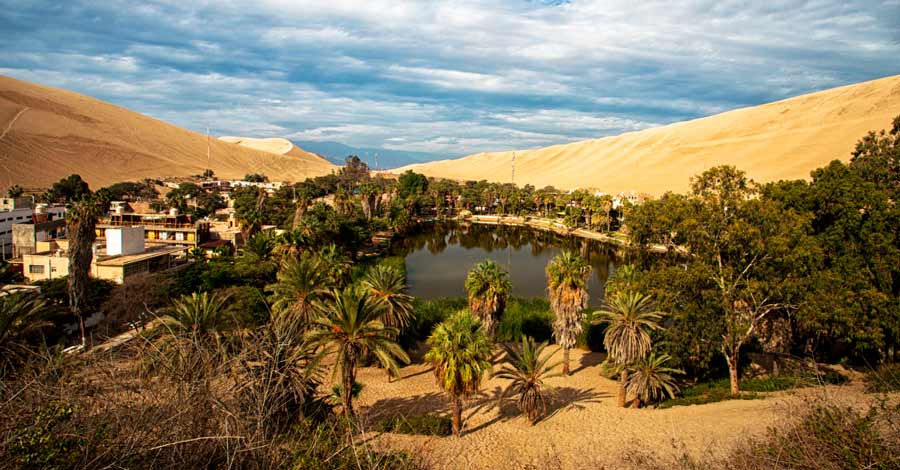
(301, 281)
(567, 276)
(15, 191)
(650, 380)
(21, 314)
(460, 356)
(412, 184)
(387, 286)
(526, 367)
(488, 290)
(81, 223)
(630, 317)
(198, 315)
(69, 189)
(350, 325)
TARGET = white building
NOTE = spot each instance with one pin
(17, 211)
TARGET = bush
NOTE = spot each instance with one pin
(884, 379)
(426, 425)
(720, 390)
(828, 436)
(708, 392)
(529, 317)
(427, 314)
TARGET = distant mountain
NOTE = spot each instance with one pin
(336, 152)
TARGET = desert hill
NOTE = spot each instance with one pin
(781, 140)
(48, 133)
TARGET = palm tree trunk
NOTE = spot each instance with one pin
(347, 387)
(566, 362)
(457, 416)
(623, 378)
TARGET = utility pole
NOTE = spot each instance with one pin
(207, 149)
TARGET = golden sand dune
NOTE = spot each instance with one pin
(781, 140)
(47, 133)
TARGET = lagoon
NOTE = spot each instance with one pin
(439, 256)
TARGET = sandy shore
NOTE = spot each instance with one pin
(584, 429)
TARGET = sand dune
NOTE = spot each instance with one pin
(781, 140)
(49, 133)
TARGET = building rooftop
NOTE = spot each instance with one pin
(150, 252)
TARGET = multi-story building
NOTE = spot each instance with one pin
(22, 211)
(171, 228)
(123, 256)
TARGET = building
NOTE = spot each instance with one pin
(170, 229)
(122, 257)
(22, 211)
(25, 236)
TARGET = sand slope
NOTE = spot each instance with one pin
(47, 133)
(782, 140)
(584, 429)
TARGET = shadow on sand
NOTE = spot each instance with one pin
(590, 360)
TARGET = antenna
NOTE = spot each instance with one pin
(376, 161)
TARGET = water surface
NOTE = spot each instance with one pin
(440, 255)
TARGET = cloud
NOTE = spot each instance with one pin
(444, 77)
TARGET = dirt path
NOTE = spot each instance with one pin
(584, 428)
(13, 121)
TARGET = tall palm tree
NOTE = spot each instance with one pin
(350, 324)
(630, 317)
(650, 380)
(387, 285)
(527, 367)
(300, 282)
(21, 314)
(488, 287)
(460, 355)
(81, 223)
(567, 276)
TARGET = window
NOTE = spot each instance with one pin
(36, 269)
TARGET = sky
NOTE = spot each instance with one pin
(447, 78)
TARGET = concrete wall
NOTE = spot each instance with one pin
(124, 241)
(41, 267)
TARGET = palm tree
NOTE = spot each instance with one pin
(527, 369)
(630, 316)
(460, 353)
(350, 324)
(300, 282)
(388, 287)
(625, 277)
(488, 287)
(198, 314)
(81, 223)
(336, 265)
(650, 380)
(567, 276)
(21, 314)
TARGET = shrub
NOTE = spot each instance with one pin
(528, 317)
(427, 314)
(884, 379)
(828, 436)
(426, 425)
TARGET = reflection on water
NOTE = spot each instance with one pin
(439, 256)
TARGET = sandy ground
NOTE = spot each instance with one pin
(584, 429)
(782, 140)
(48, 133)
